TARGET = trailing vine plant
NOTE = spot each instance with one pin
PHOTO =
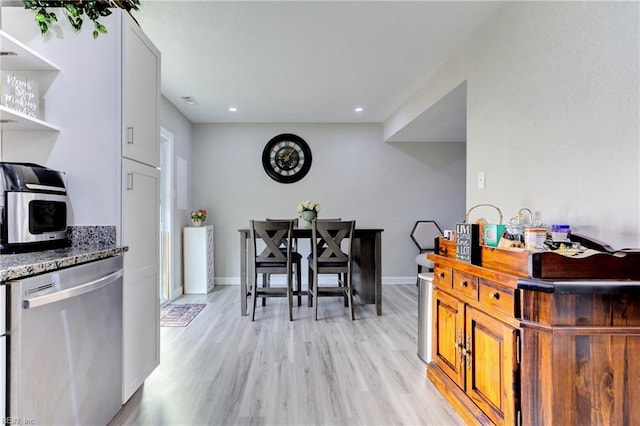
(76, 11)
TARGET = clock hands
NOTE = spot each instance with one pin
(285, 159)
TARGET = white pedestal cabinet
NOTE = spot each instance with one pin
(198, 259)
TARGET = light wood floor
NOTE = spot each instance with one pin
(225, 370)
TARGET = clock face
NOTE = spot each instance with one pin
(286, 158)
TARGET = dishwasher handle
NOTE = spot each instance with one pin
(34, 302)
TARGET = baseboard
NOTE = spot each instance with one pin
(279, 280)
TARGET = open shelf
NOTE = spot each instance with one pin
(16, 56)
(14, 120)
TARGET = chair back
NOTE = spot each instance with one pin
(424, 234)
(283, 243)
(274, 237)
(332, 245)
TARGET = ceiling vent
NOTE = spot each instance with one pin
(189, 100)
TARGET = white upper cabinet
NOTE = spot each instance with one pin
(141, 93)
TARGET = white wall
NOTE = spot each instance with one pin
(354, 175)
(173, 120)
(553, 115)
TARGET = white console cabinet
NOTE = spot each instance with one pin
(198, 259)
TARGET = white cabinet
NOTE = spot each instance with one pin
(198, 259)
(141, 97)
(141, 291)
(105, 86)
(140, 205)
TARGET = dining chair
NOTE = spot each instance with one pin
(272, 259)
(331, 253)
(424, 234)
(296, 258)
(335, 219)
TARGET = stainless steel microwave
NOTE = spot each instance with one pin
(34, 208)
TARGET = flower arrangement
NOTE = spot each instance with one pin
(199, 215)
(309, 206)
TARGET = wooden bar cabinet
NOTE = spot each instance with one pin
(512, 348)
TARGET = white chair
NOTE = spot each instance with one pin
(424, 234)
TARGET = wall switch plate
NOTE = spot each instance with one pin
(481, 180)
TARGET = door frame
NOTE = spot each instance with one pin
(166, 231)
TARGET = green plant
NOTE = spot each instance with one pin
(200, 214)
(75, 11)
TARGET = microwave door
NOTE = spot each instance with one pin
(35, 217)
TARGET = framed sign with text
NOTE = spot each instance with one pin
(468, 243)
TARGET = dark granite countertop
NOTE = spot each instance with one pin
(87, 244)
(16, 266)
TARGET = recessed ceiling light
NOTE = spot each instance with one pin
(358, 109)
(233, 109)
(189, 100)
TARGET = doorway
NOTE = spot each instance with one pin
(166, 214)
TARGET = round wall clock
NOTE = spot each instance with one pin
(286, 158)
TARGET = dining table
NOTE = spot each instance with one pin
(366, 276)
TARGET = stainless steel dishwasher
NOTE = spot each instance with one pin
(65, 338)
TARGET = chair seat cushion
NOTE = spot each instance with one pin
(422, 260)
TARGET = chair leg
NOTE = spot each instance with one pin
(350, 293)
(290, 294)
(299, 283)
(343, 282)
(266, 282)
(254, 297)
(315, 296)
(310, 293)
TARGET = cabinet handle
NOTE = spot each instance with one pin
(130, 135)
(495, 296)
(460, 347)
(465, 284)
(129, 181)
(441, 275)
(467, 353)
(443, 250)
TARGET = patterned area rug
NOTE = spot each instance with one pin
(176, 315)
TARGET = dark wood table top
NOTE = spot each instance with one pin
(301, 232)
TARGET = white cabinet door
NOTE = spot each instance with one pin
(141, 290)
(141, 96)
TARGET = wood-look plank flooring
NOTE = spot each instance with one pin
(223, 369)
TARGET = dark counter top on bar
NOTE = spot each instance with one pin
(597, 286)
(16, 266)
